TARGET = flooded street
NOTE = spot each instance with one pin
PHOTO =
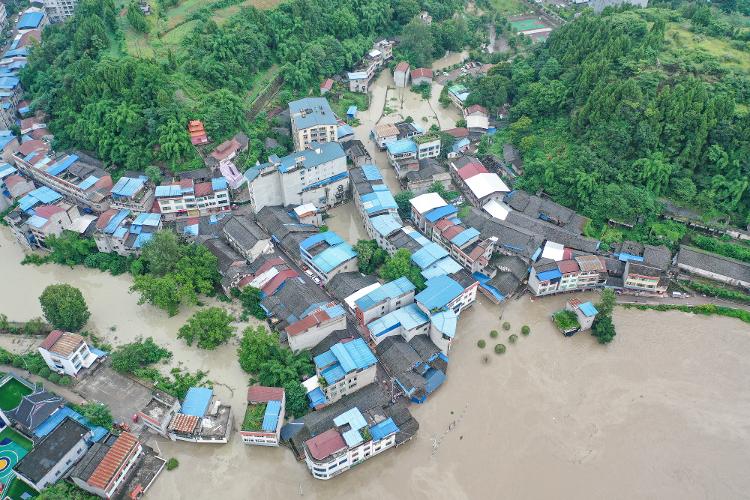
(662, 412)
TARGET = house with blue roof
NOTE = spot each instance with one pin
(327, 254)
(264, 416)
(31, 19)
(418, 367)
(406, 322)
(346, 367)
(313, 120)
(585, 312)
(384, 300)
(125, 232)
(200, 418)
(133, 193)
(317, 175)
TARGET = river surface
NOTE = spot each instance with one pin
(662, 412)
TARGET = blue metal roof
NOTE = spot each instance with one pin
(39, 195)
(329, 151)
(378, 201)
(440, 291)
(6, 170)
(354, 355)
(30, 20)
(438, 213)
(36, 221)
(23, 51)
(316, 397)
(329, 237)
(333, 374)
(351, 111)
(6, 136)
(460, 144)
(142, 239)
(115, 221)
(428, 255)
(128, 186)
(383, 429)
(271, 416)
(446, 265)
(54, 420)
(464, 237)
(445, 322)
(168, 191)
(88, 182)
(629, 257)
(196, 401)
(409, 317)
(332, 257)
(391, 289)
(61, 166)
(353, 417)
(252, 172)
(352, 437)
(326, 181)
(549, 275)
(218, 183)
(385, 224)
(316, 111)
(484, 283)
(371, 173)
(588, 309)
(402, 146)
(434, 379)
(343, 131)
(147, 219)
(9, 82)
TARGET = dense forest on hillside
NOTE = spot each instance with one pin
(133, 111)
(615, 112)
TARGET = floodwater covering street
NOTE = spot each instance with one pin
(662, 412)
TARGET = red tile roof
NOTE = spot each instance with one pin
(476, 108)
(443, 224)
(27, 123)
(104, 218)
(183, 423)
(27, 37)
(278, 261)
(470, 170)
(568, 266)
(402, 66)
(421, 73)
(458, 133)
(307, 322)
(263, 394)
(273, 285)
(197, 132)
(30, 146)
(113, 461)
(327, 85)
(47, 211)
(452, 232)
(203, 189)
(39, 133)
(53, 337)
(13, 180)
(226, 149)
(325, 444)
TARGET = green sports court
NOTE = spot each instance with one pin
(527, 24)
(13, 447)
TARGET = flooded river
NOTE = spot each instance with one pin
(662, 412)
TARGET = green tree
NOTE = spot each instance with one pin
(402, 200)
(153, 173)
(607, 302)
(250, 298)
(398, 265)
(136, 18)
(64, 491)
(96, 414)
(210, 327)
(129, 358)
(256, 345)
(296, 398)
(417, 43)
(162, 252)
(64, 307)
(370, 256)
(603, 329)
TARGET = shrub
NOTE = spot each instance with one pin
(506, 326)
(45, 372)
(494, 334)
(513, 338)
(18, 362)
(525, 330)
(481, 344)
(54, 378)
(65, 380)
(172, 463)
(499, 349)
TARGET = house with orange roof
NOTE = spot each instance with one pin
(68, 353)
(197, 133)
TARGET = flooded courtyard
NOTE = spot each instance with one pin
(662, 412)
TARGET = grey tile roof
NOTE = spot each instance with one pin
(513, 264)
(506, 283)
(334, 338)
(344, 284)
(277, 222)
(293, 299)
(641, 269)
(35, 409)
(245, 232)
(714, 263)
(659, 257)
(536, 207)
(510, 237)
(226, 255)
(51, 449)
(427, 170)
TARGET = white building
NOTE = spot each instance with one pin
(485, 187)
(313, 120)
(327, 254)
(401, 74)
(318, 176)
(188, 199)
(265, 430)
(477, 117)
(309, 331)
(66, 353)
(350, 441)
(106, 466)
(345, 368)
(384, 300)
(59, 10)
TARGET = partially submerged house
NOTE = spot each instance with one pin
(264, 416)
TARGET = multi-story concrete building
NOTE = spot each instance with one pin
(108, 464)
(264, 416)
(477, 118)
(79, 180)
(247, 238)
(401, 74)
(360, 78)
(345, 368)
(319, 321)
(349, 442)
(579, 273)
(125, 232)
(384, 300)
(644, 278)
(313, 120)
(133, 193)
(59, 10)
(187, 198)
(317, 175)
(3, 17)
(67, 353)
(327, 254)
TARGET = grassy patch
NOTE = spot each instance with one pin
(18, 490)
(509, 7)
(221, 15)
(17, 438)
(566, 320)
(254, 417)
(682, 39)
(11, 393)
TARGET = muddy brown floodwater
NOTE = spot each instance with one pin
(662, 412)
